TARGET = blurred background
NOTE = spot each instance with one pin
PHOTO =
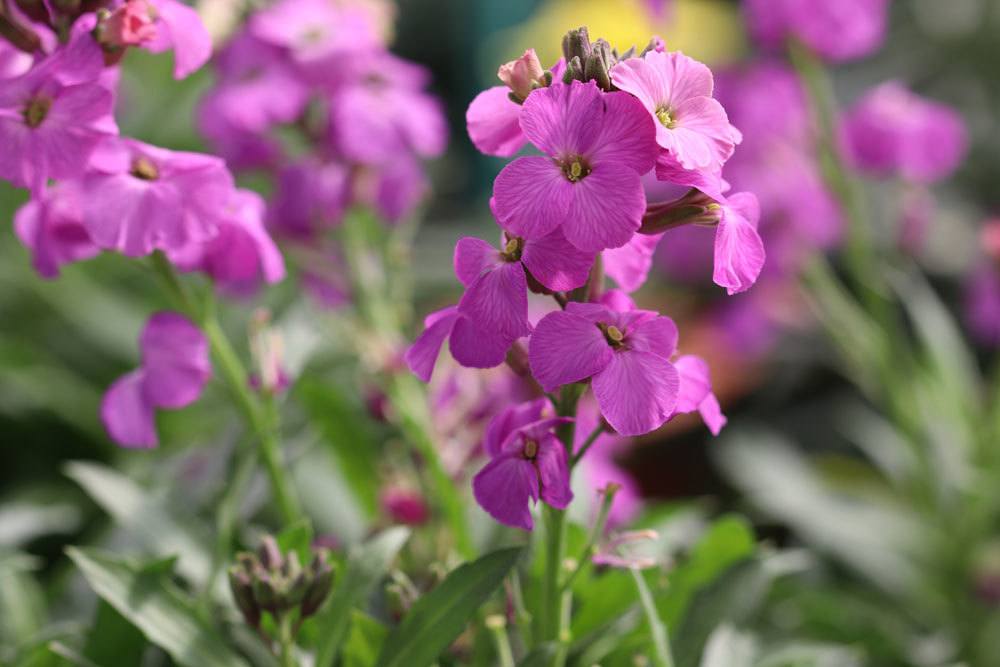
(63, 342)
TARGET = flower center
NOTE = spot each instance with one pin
(575, 168)
(530, 449)
(36, 110)
(666, 118)
(145, 170)
(513, 249)
(612, 334)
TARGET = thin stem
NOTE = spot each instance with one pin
(661, 645)
(498, 628)
(521, 612)
(287, 641)
(591, 439)
(263, 425)
(555, 538)
(595, 533)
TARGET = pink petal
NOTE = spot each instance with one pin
(503, 425)
(505, 488)
(739, 251)
(556, 264)
(629, 265)
(423, 354)
(657, 336)
(127, 417)
(186, 33)
(617, 300)
(636, 392)
(628, 134)
(606, 208)
(563, 119)
(175, 360)
(498, 301)
(711, 414)
(493, 123)
(708, 181)
(473, 257)
(566, 348)
(695, 384)
(131, 215)
(532, 196)
(475, 347)
(706, 118)
(553, 473)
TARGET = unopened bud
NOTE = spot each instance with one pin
(269, 553)
(242, 588)
(321, 574)
(131, 24)
(597, 66)
(523, 75)
(576, 44)
(694, 208)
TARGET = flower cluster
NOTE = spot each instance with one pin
(307, 92)
(572, 212)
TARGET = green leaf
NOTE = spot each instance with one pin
(348, 435)
(113, 639)
(366, 567)
(145, 516)
(728, 647)
(22, 604)
(297, 537)
(440, 616)
(364, 640)
(540, 656)
(150, 601)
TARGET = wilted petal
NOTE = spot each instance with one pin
(637, 392)
(566, 348)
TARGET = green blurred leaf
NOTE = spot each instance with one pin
(113, 640)
(150, 601)
(297, 537)
(439, 617)
(802, 654)
(349, 436)
(540, 656)
(363, 641)
(22, 522)
(366, 567)
(146, 517)
(728, 647)
(22, 604)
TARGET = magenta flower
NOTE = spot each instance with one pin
(894, 131)
(51, 227)
(13, 61)
(141, 198)
(53, 116)
(598, 146)
(625, 354)
(311, 195)
(838, 31)
(179, 28)
(471, 345)
(496, 282)
(677, 92)
(493, 118)
(398, 188)
(981, 304)
(739, 251)
(527, 463)
(696, 392)
(629, 265)
(242, 254)
(175, 367)
(131, 24)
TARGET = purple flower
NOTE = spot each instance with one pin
(894, 131)
(493, 119)
(629, 265)
(399, 186)
(179, 28)
(175, 367)
(242, 254)
(527, 463)
(311, 195)
(677, 92)
(739, 251)
(471, 345)
(838, 31)
(141, 198)
(496, 282)
(598, 146)
(53, 116)
(626, 355)
(13, 61)
(51, 226)
(696, 392)
(982, 304)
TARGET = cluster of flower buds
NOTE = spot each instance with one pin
(571, 216)
(278, 584)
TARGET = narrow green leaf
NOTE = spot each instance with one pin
(366, 567)
(540, 656)
(150, 601)
(22, 604)
(728, 647)
(113, 640)
(440, 616)
(363, 641)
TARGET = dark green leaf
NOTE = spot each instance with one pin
(366, 567)
(113, 640)
(151, 602)
(363, 641)
(437, 618)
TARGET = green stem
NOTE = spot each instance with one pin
(658, 631)
(595, 534)
(591, 439)
(555, 538)
(263, 425)
(498, 628)
(287, 640)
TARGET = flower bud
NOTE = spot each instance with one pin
(576, 44)
(320, 585)
(131, 24)
(523, 74)
(597, 66)
(241, 586)
(694, 208)
(269, 553)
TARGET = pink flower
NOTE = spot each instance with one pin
(523, 75)
(677, 92)
(629, 265)
(405, 506)
(471, 345)
(493, 119)
(51, 226)
(179, 28)
(739, 251)
(311, 195)
(625, 354)
(597, 146)
(527, 463)
(496, 282)
(131, 24)
(141, 198)
(696, 392)
(175, 368)
(242, 254)
(53, 117)
(981, 304)
(838, 31)
(894, 131)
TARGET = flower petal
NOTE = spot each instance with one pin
(475, 347)
(566, 348)
(606, 208)
(498, 301)
(186, 33)
(553, 473)
(507, 422)
(657, 335)
(493, 123)
(175, 360)
(739, 251)
(563, 119)
(637, 392)
(628, 134)
(473, 257)
(505, 488)
(555, 263)
(423, 354)
(531, 196)
(126, 415)
(629, 265)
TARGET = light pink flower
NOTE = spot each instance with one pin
(739, 251)
(696, 392)
(51, 226)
